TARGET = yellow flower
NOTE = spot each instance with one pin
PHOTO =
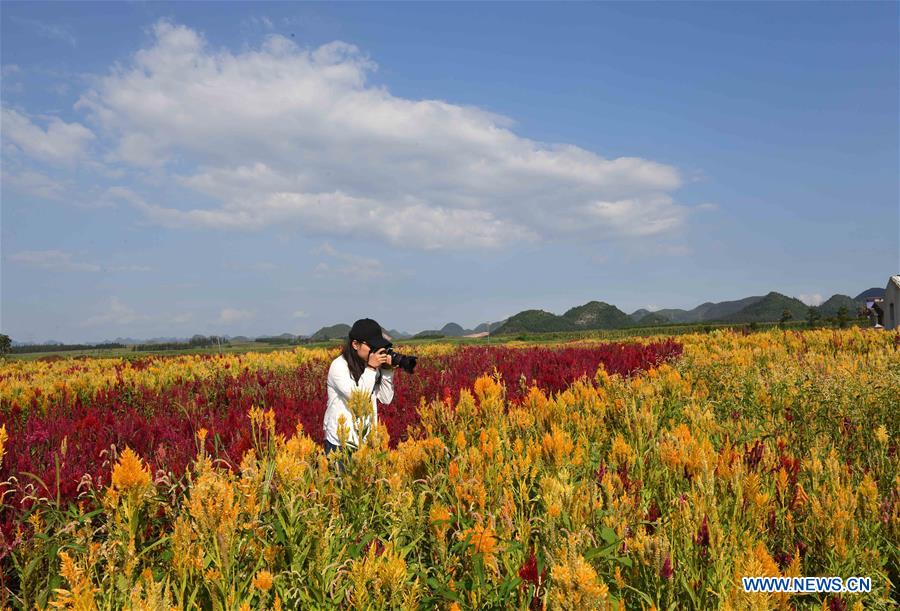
(256, 415)
(81, 595)
(440, 520)
(460, 441)
(881, 435)
(201, 435)
(868, 492)
(379, 579)
(575, 584)
(557, 445)
(482, 540)
(801, 499)
(3, 438)
(621, 453)
(360, 404)
(343, 430)
(263, 580)
(130, 473)
(485, 386)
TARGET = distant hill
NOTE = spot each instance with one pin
(723, 309)
(282, 336)
(653, 319)
(674, 315)
(537, 321)
(639, 314)
(708, 311)
(128, 341)
(769, 309)
(429, 333)
(869, 293)
(601, 315)
(284, 339)
(597, 315)
(339, 331)
(489, 326)
(592, 315)
(451, 329)
(398, 334)
(835, 302)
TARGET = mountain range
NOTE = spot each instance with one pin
(601, 315)
(591, 315)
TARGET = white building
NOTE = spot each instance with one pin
(891, 303)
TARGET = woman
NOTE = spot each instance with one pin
(362, 365)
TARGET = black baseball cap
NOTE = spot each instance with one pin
(369, 331)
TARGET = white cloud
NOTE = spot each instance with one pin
(300, 314)
(57, 260)
(117, 313)
(289, 136)
(231, 315)
(60, 143)
(261, 21)
(53, 260)
(814, 299)
(345, 264)
(35, 183)
(7, 70)
(49, 30)
(123, 193)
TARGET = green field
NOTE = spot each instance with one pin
(607, 334)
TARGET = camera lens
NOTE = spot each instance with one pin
(404, 362)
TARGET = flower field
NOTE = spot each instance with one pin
(587, 475)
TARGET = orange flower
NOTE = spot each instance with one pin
(483, 541)
(440, 518)
(130, 473)
(263, 581)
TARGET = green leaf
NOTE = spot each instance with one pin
(509, 585)
(443, 590)
(608, 534)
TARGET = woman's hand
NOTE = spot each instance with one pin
(377, 359)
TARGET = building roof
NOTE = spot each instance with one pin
(895, 280)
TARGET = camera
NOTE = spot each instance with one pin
(405, 362)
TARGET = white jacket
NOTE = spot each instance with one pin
(341, 384)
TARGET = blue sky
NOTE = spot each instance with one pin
(171, 169)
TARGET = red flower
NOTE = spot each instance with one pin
(666, 570)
